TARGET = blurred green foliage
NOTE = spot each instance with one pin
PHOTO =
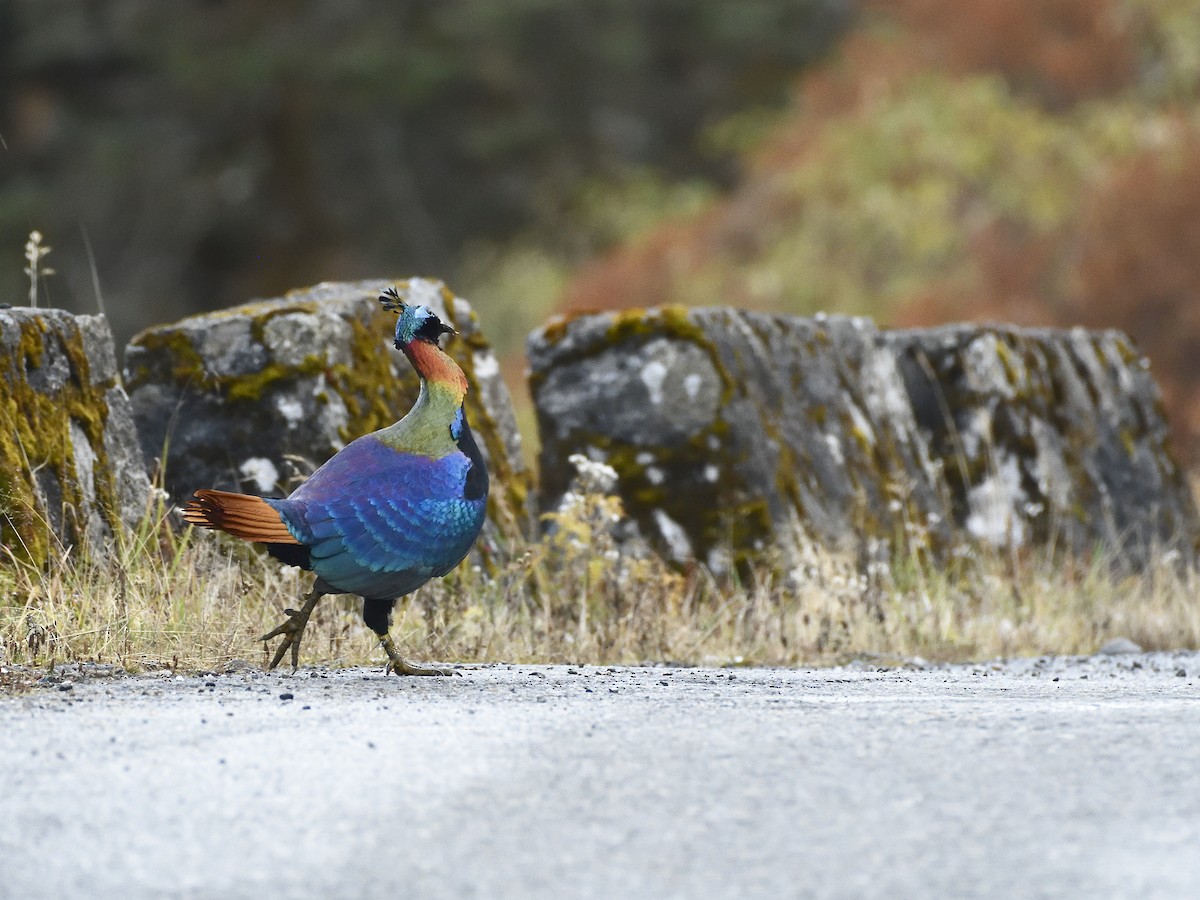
(518, 283)
(1169, 49)
(931, 170)
(946, 160)
(887, 201)
(220, 150)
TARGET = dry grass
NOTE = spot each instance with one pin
(195, 601)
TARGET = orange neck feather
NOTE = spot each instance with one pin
(437, 368)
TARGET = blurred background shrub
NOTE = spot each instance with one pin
(213, 151)
(1034, 161)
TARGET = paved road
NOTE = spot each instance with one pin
(1037, 778)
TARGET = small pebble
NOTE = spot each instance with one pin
(287, 696)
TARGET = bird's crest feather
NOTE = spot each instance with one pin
(416, 322)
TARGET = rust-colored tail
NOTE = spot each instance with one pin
(241, 515)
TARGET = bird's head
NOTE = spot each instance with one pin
(416, 323)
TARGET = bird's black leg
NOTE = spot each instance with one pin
(292, 630)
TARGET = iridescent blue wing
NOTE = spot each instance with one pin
(382, 522)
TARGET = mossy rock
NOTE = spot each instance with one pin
(1049, 436)
(253, 398)
(71, 470)
(733, 431)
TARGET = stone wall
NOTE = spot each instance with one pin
(731, 431)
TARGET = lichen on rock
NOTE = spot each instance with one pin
(734, 431)
(71, 471)
(1049, 436)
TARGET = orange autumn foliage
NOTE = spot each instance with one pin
(1060, 51)
(1138, 250)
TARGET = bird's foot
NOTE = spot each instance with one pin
(292, 630)
(404, 667)
(401, 666)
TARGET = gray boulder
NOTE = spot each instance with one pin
(1046, 435)
(71, 469)
(255, 397)
(733, 431)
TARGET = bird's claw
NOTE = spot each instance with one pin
(292, 630)
(401, 666)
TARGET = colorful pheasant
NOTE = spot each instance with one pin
(388, 512)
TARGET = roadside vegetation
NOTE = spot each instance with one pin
(189, 600)
(1032, 161)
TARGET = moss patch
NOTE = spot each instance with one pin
(35, 436)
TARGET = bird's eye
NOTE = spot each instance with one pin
(431, 329)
